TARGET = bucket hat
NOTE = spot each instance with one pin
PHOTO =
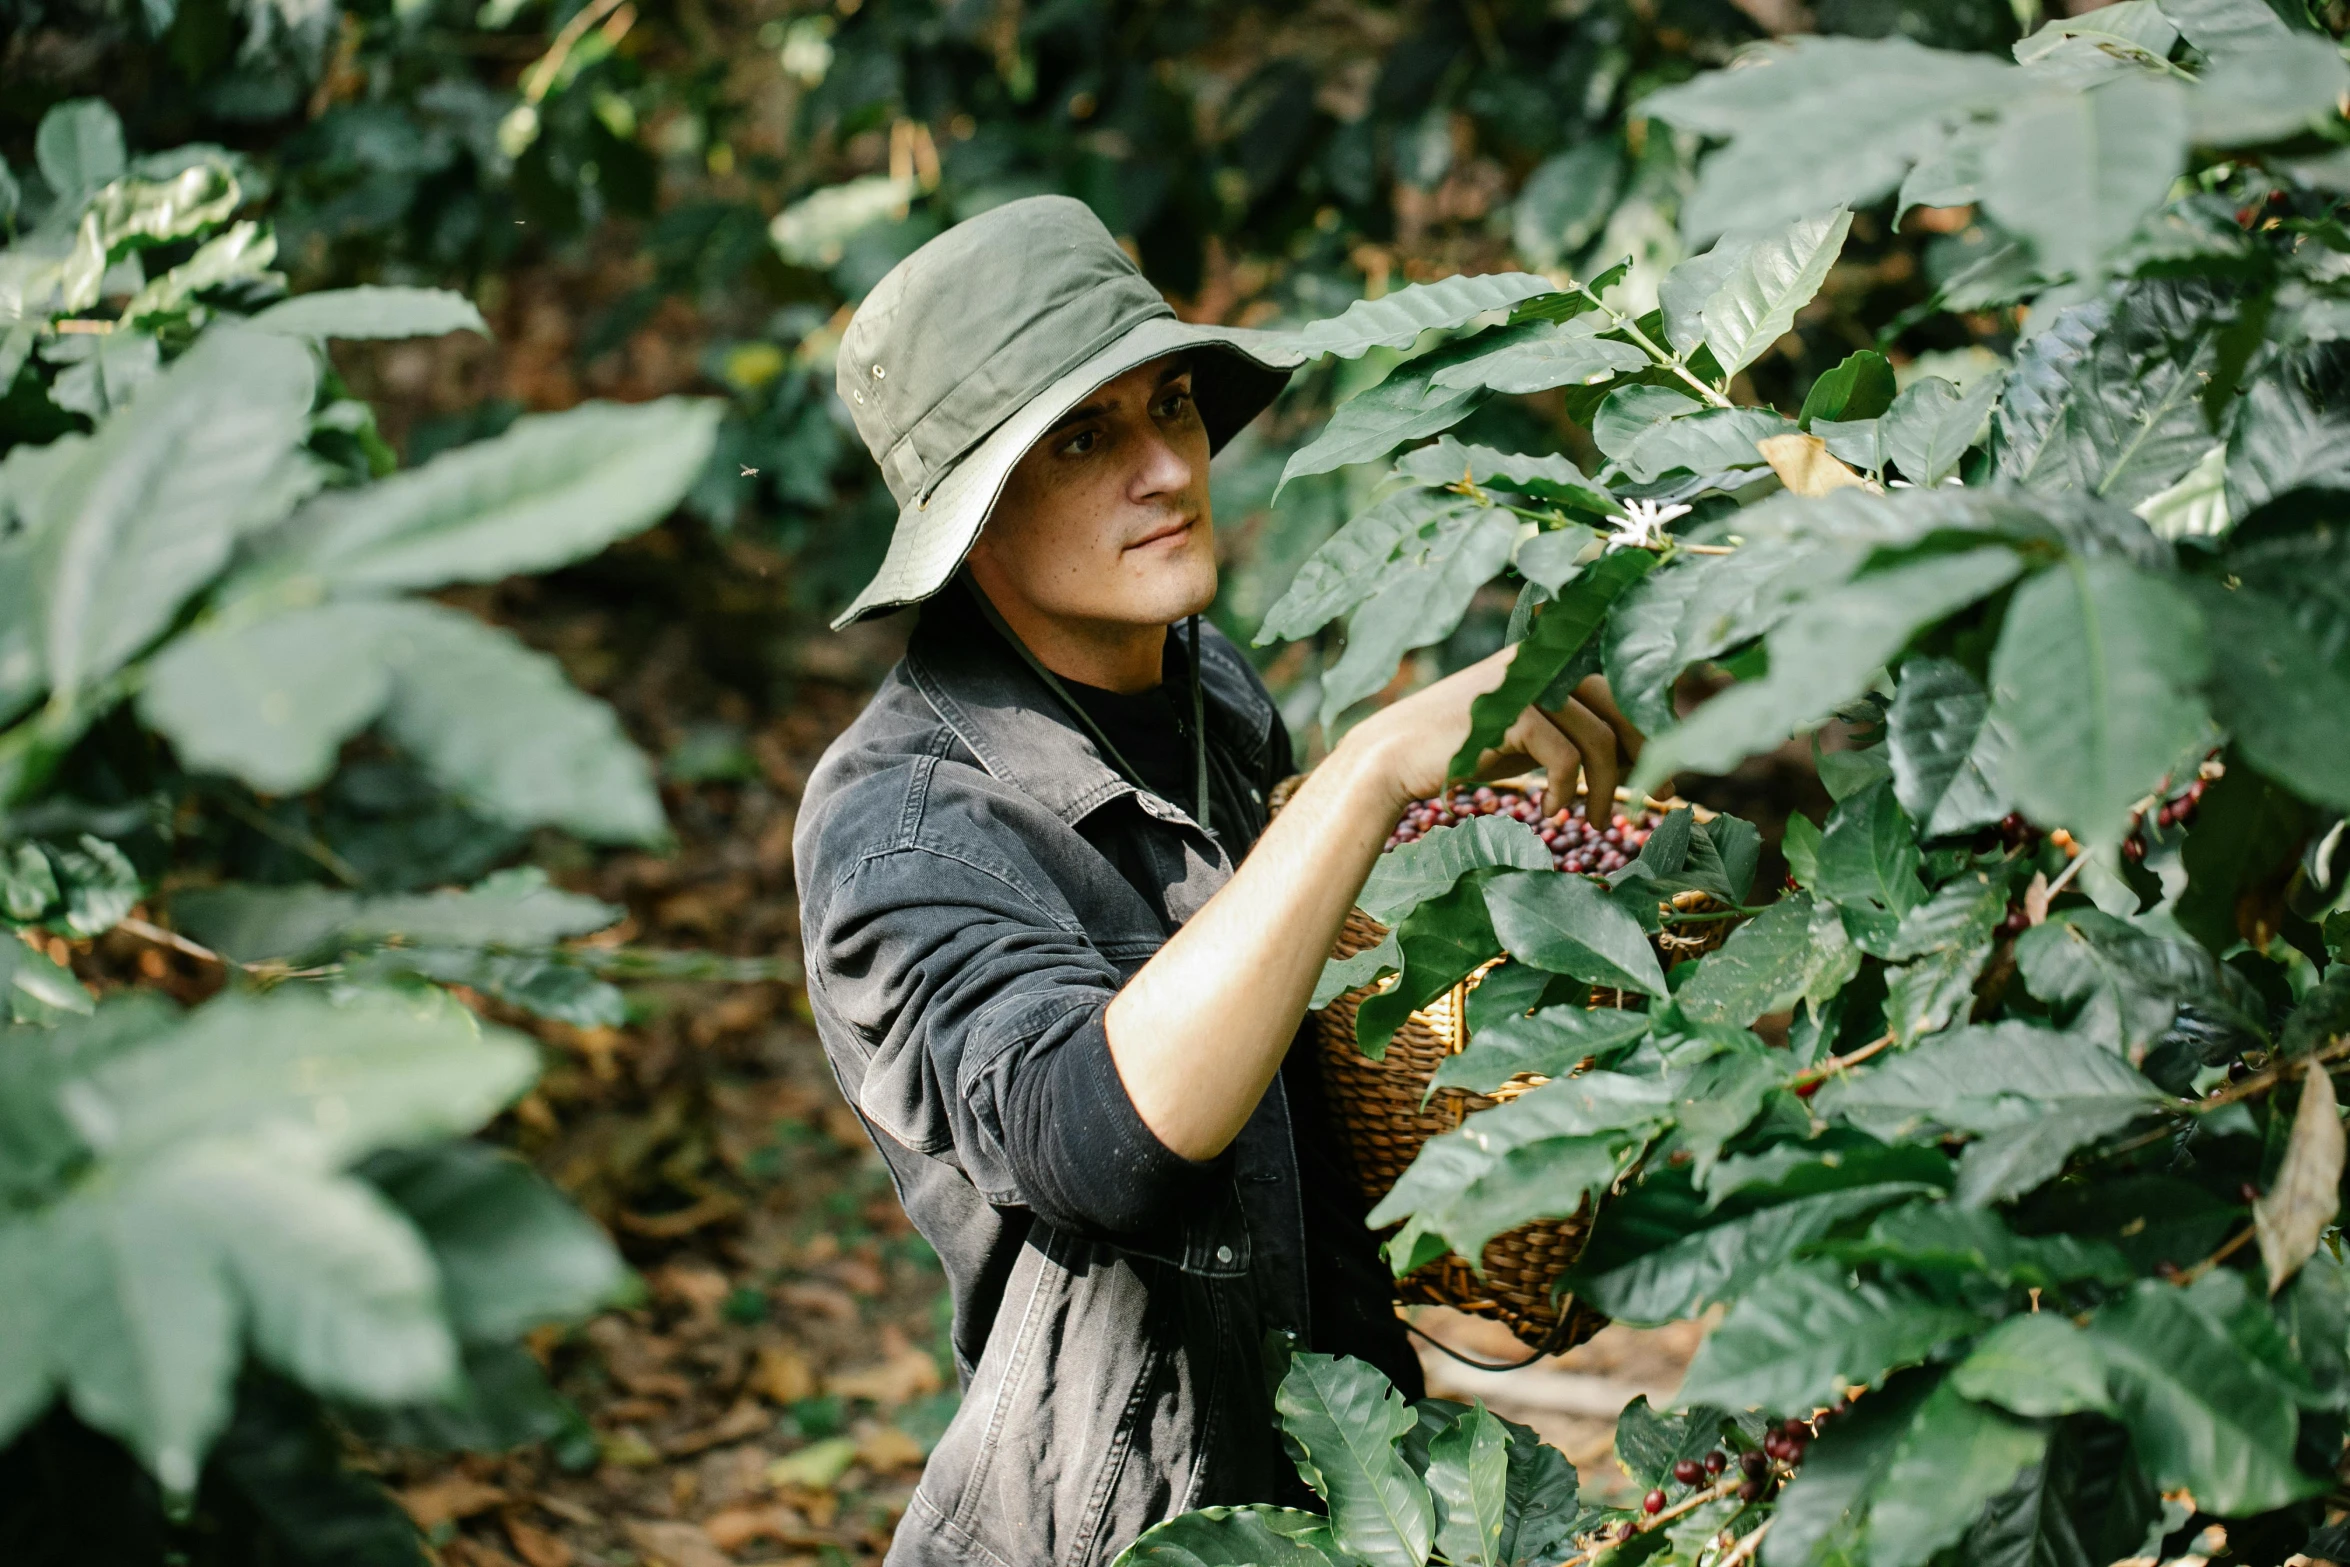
(974, 346)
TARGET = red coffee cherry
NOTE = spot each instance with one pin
(1653, 1503)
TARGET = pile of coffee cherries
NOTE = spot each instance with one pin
(1575, 843)
(1759, 1470)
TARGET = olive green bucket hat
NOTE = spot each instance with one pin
(974, 346)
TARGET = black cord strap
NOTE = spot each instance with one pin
(1551, 1345)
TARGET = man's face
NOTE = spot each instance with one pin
(1105, 521)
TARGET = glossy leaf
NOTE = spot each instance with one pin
(1233, 1537)
(1953, 1459)
(1372, 423)
(1570, 354)
(1868, 855)
(2075, 172)
(1946, 1237)
(1806, 1332)
(2288, 85)
(516, 908)
(1420, 599)
(1548, 1043)
(1440, 943)
(1409, 875)
(1570, 926)
(2094, 684)
(1932, 424)
(1348, 568)
(2291, 433)
(1828, 1500)
(1777, 276)
(1860, 387)
(2226, 27)
(372, 312)
(1396, 320)
(1448, 461)
(1343, 1422)
(1941, 752)
(1985, 1078)
(1560, 630)
(1468, 1476)
(1702, 606)
(1709, 441)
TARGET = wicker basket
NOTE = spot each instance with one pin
(1381, 1121)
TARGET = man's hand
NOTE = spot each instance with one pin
(1415, 739)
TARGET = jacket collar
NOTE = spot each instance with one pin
(1021, 734)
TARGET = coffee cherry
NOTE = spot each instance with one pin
(1686, 1471)
(1653, 1503)
(1626, 1529)
(1753, 1464)
(1716, 1461)
(1750, 1491)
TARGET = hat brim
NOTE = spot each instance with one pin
(934, 533)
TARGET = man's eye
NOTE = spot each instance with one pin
(1081, 443)
(1173, 404)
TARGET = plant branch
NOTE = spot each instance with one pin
(1744, 1550)
(1834, 1064)
(148, 931)
(1694, 1499)
(2268, 1077)
(1647, 345)
(2234, 1246)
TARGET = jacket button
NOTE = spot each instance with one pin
(1224, 1254)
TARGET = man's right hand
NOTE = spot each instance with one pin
(1414, 740)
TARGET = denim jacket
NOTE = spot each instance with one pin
(976, 883)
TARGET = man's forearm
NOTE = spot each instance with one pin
(1198, 1033)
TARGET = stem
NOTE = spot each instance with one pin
(2219, 1256)
(1835, 1064)
(2068, 873)
(1745, 1548)
(1643, 1525)
(1631, 328)
(1709, 549)
(2262, 1081)
(1739, 913)
(146, 931)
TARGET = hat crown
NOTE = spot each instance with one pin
(957, 337)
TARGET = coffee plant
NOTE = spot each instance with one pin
(243, 758)
(2004, 1137)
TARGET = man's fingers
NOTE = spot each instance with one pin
(1534, 735)
(1597, 743)
(1594, 694)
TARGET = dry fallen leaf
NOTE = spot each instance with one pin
(816, 1467)
(2308, 1190)
(537, 1547)
(667, 1544)
(884, 1448)
(437, 1502)
(748, 1418)
(738, 1526)
(782, 1375)
(907, 1374)
(1804, 466)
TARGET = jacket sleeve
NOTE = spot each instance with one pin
(977, 1002)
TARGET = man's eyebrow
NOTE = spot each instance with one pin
(1078, 415)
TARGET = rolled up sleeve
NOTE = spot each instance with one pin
(980, 1006)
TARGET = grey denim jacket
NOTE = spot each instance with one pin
(976, 883)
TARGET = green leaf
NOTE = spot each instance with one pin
(1942, 755)
(1860, 387)
(1986, 1078)
(146, 512)
(1801, 846)
(1767, 965)
(1340, 975)
(371, 312)
(1868, 856)
(2075, 173)
(1842, 1474)
(1420, 600)
(1681, 296)
(2136, 990)
(1468, 1476)
(2292, 432)
(1569, 354)
(512, 1253)
(2246, 831)
(1343, 1422)
(1954, 1458)
(2280, 671)
(244, 251)
(512, 909)
(1549, 1043)
(1944, 1237)
(1721, 1262)
(1539, 1508)
(101, 375)
(492, 721)
(1649, 1443)
(1561, 628)
(1441, 943)
(1631, 412)
(2270, 94)
(1568, 925)
(1699, 607)
(1468, 1194)
(2199, 1415)
(1756, 304)
(1712, 440)
(1349, 567)
(2094, 684)
(2035, 1364)
(78, 147)
(2114, 406)
(1824, 657)
(1449, 461)
(1551, 559)
(552, 489)
(1807, 1331)
(2226, 27)
(1409, 875)
(1933, 424)
(1814, 122)
(1860, 442)
(33, 989)
(2085, 1505)
(1233, 1537)
(1927, 995)
(1396, 320)
(1374, 422)
(2080, 51)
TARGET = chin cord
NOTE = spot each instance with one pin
(1199, 733)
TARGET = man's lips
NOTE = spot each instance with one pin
(1175, 529)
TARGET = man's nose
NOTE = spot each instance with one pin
(1163, 470)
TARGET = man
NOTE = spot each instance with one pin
(1055, 953)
